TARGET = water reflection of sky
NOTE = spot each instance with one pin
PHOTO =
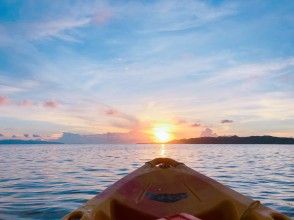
(42, 182)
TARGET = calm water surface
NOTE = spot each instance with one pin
(48, 181)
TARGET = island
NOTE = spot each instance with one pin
(18, 141)
(235, 140)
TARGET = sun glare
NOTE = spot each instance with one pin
(162, 133)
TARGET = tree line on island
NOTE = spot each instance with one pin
(235, 140)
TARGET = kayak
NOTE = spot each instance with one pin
(166, 189)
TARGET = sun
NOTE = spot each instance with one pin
(162, 133)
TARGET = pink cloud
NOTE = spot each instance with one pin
(26, 103)
(207, 132)
(111, 112)
(4, 100)
(50, 104)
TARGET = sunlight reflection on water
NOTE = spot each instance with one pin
(162, 150)
(48, 181)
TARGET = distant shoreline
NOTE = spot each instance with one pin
(200, 140)
(17, 141)
(233, 140)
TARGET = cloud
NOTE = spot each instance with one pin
(59, 28)
(26, 135)
(102, 16)
(173, 16)
(196, 125)
(226, 121)
(50, 104)
(64, 22)
(129, 137)
(111, 112)
(207, 132)
(25, 103)
(4, 100)
(118, 114)
(252, 72)
(14, 136)
(36, 136)
(1, 135)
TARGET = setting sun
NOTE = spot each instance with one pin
(162, 133)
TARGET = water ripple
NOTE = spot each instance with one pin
(48, 181)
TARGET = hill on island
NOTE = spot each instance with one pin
(235, 140)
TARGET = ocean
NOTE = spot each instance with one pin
(49, 181)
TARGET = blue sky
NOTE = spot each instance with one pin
(92, 67)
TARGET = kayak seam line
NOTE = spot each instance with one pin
(141, 195)
(192, 191)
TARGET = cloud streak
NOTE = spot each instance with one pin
(56, 29)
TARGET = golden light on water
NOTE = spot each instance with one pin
(162, 133)
(162, 150)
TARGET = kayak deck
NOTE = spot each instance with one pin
(164, 187)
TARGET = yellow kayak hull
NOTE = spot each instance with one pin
(165, 187)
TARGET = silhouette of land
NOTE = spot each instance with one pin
(235, 140)
(200, 140)
(16, 141)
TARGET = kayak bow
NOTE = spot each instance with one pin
(164, 187)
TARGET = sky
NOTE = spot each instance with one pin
(199, 68)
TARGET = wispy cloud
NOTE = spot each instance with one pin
(59, 23)
(56, 28)
(174, 16)
(253, 71)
